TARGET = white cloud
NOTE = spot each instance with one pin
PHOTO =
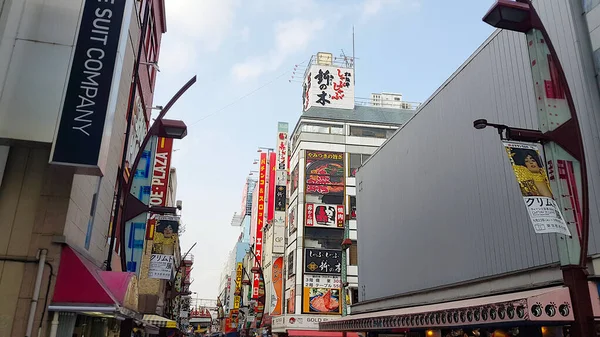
(291, 37)
(245, 33)
(371, 8)
(206, 21)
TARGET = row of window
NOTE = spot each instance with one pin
(358, 131)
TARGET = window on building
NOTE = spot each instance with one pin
(322, 128)
(352, 207)
(362, 131)
(354, 295)
(356, 160)
(323, 238)
(353, 254)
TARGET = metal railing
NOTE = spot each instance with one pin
(405, 105)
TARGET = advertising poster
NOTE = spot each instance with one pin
(323, 215)
(161, 266)
(291, 302)
(321, 301)
(294, 180)
(165, 235)
(528, 166)
(292, 220)
(277, 283)
(325, 177)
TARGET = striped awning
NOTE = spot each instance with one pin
(160, 322)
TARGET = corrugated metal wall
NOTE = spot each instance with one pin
(438, 204)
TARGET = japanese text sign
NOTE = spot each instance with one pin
(258, 243)
(323, 281)
(328, 86)
(160, 175)
(324, 215)
(323, 261)
(161, 266)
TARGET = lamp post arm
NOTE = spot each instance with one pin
(153, 130)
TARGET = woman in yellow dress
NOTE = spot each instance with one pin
(530, 173)
(165, 237)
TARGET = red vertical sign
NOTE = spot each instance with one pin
(160, 172)
(260, 217)
(271, 187)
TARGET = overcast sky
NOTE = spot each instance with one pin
(244, 54)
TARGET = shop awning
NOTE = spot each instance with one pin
(160, 321)
(313, 333)
(541, 305)
(83, 287)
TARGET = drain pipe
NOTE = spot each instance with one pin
(36, 291)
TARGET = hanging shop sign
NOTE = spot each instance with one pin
(324, 215)
(528, 166)
(161, 266)
(81, 128)
(322, 261)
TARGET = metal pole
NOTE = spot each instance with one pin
(129, 116)
(573, 260)
(153, 130)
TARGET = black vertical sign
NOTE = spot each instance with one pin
(85, 105)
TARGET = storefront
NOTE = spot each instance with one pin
(539, 312)
(89, 301)
(304, 326)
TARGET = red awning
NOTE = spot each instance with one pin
(81, 282)
(313, 333)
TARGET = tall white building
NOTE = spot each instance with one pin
(331, 140)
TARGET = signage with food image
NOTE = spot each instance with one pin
(324, 215)
(321, 301)
(165, 235)
(534, 183)
(323, 261)
(324, 173)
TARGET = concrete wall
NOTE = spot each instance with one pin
(33, 209)
(438, 204)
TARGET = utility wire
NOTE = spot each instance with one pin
(242, 97)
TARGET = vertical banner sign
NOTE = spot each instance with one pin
(160, 176)
(260, 217)
(238, 286)
(85, 106)
(281, 171)
(135, 229)
(532, 177)
(271, 187)
(277, 284)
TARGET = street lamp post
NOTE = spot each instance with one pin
(560, 134)
(132, 206)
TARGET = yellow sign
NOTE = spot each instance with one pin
(236, 302)
(238, 276)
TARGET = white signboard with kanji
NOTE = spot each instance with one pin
(324, 215)
(161, 266)
(329, 87)
(323, 281)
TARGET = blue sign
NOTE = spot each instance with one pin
(135, 229)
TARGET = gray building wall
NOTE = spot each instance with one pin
(438, 204)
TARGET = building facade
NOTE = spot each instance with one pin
(330, 141)
(449, 215)
(60, 158)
